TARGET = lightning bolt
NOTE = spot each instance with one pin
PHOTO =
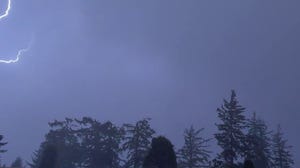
(21, 51)
(7, 10)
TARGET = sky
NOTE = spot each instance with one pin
(173, 61)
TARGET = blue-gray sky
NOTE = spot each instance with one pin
(173, 61)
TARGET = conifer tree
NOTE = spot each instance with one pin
(49, 157)
(101, 143)
(137, 142)
(282, 157)
(231, 137)
(35, 159)
(194, 153)
(259, 143)
(2, 144)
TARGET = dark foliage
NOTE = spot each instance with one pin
(100, 143)
(231, 137)
(248, 164)
(18, 163)
(88, 143)
(137, 142)
(161, 154)
(49, 157)
(194, 152)
(259, 143)
(2, 144)
(282, 157)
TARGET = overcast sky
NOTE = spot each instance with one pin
(173, 61)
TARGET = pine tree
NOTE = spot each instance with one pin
(194, 153)
(137, 142)
(282, 157)
(231, 137)
(259, 143)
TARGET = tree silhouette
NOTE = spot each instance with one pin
(282, 157)
(18, 163)
(100, 143)
(137, 142)
(194, 152)
(49, 157)
(231, 137)
(259, 143)
(161, 154)
(248, 164)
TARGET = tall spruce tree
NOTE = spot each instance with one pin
(231, 137)
(259, 143)
(194, 153)
(282, 157)
(137, 142)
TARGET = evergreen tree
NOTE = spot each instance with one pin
(35, 160)
(63, 138)
(49, 157)
(2, 144)
(282, 157)
(161, 154)
(101, 143)
(67, 143)
(259, 143)
(194, 153)
(231, 137)
(82, 143)
(137, 142)
(18, 163)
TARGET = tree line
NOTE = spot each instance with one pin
(89, 143)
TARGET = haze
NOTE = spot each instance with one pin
(173, 61)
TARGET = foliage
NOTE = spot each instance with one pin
(282, 157)
(194, 152)
(231, 137)
(18, 163)
(258, 141)
(137, 142)
(161, 154)
(100, 143)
